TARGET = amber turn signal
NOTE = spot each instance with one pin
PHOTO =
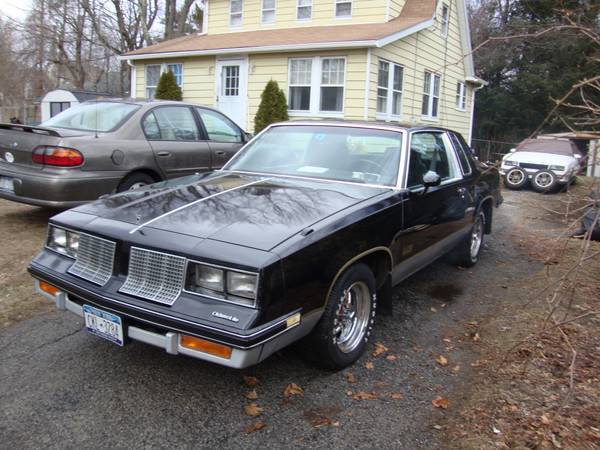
(201, 345)
(48, 288)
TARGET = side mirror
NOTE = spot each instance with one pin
(431, 179)
(247, 136)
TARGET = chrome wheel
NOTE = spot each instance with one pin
(476, 237)
(352, 317)
(137, 185)
(515, 176)
(543, 179)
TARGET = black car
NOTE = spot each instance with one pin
(301, 235)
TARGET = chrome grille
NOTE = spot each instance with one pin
(533, 166)
(154, 276)
(95, 258)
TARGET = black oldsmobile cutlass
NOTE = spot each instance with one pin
(301, 235)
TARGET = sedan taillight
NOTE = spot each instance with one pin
(57, 156)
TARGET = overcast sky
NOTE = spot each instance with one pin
(16, 9)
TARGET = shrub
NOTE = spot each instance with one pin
(272, 108)
(167, 88)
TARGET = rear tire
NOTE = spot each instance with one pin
(134, 181)
(544, 181)
(515, 178)
(341, 335)
(467, 252)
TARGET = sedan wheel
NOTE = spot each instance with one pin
(352, 317)
(515, 178)
(135, 181)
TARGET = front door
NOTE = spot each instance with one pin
(232, 92)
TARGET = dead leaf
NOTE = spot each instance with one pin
(379, 349)
(442, 360)
(350, 378)
(456, 368)
(253, 410)
(362, 395)
(292, 389)
(251, 395)
(545, 419)
(255, 427)
(369, 365)
(349, 393)
(396, 395)
(440, 402)
(437, 427)
(391, 357)
(324, 421)
(250, 381)
(433, 310)
(448, 340)
(476, 337)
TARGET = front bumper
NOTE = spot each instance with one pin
(563, 177)
(263, 343)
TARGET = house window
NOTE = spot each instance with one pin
(389, 89)
(431, 95)
(461, 96)
(343, 8)
(304, 9)
(154, 71)
(316, 85)
(235, 12)
(444, 20)
(58, 107)
(268, 11)
(332, 84)
(300, 84)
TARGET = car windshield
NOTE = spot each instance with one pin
(342, 153)
(96, 116)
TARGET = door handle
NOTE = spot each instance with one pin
(164, 153)
(220, 153)
(462, 190)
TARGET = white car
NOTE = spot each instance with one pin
(546, 163)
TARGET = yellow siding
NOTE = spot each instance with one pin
(323, 13)
(395, 6)
(428, 50)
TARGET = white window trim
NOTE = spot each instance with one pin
(444, 22)
(163, 69)
(335, 3)
(298, 6)
(262, 11)
(428, 117)
(388, 116)
(241, 13)
(461, 97)
(315, 88)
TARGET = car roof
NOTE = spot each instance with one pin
(377, 124)
(147, 103)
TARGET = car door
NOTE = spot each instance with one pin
(225, 138)
(434, 218)
(176, 140)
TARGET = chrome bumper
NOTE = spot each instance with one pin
(171, 341)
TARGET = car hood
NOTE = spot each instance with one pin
(254, 211)
(540, 158)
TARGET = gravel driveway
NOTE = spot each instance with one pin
(62, 387)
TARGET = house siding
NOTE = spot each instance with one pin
(394, 8)
(323, 13)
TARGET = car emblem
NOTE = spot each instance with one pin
(9, 157)
(15, 144)
(225, 316)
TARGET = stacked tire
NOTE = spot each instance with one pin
(515, 178)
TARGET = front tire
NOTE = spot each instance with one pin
(340, 336)
(515, 178)
(467, 252)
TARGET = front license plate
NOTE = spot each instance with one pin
(6, 184)
(104, 324)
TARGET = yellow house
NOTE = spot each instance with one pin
(403, 61)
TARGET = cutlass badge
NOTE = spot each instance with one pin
(225, 316)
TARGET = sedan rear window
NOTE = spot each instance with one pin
(353, 154)
(96, 116)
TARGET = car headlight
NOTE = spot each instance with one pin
(60, 240)
(557, 168)
(510, 163)
(222, 284)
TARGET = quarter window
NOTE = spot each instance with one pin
(268, 11)
(235, 12)
(304, 9)
(171, 123)
(431, 95)
(462, 149)
(461, 96)
(444, 20)
(429, 151)
(389, 89)
(218, 127)
(300, 84)
(343, 8)
(154, 71)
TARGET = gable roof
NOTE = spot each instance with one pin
(415, 16)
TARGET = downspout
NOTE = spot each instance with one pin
(475, 89)
(132, 80)
(367, 85)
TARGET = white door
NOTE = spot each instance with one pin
(232, 89)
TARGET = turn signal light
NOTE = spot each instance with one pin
(57, 156)
(48, 288)
(201, 345)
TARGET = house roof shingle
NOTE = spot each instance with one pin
(413, 13)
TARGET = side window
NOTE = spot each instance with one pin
(218, 127)
(171, 123)
(428, 151)
(465, 165)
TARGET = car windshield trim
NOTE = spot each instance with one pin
(230, 166)
(134, 108)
